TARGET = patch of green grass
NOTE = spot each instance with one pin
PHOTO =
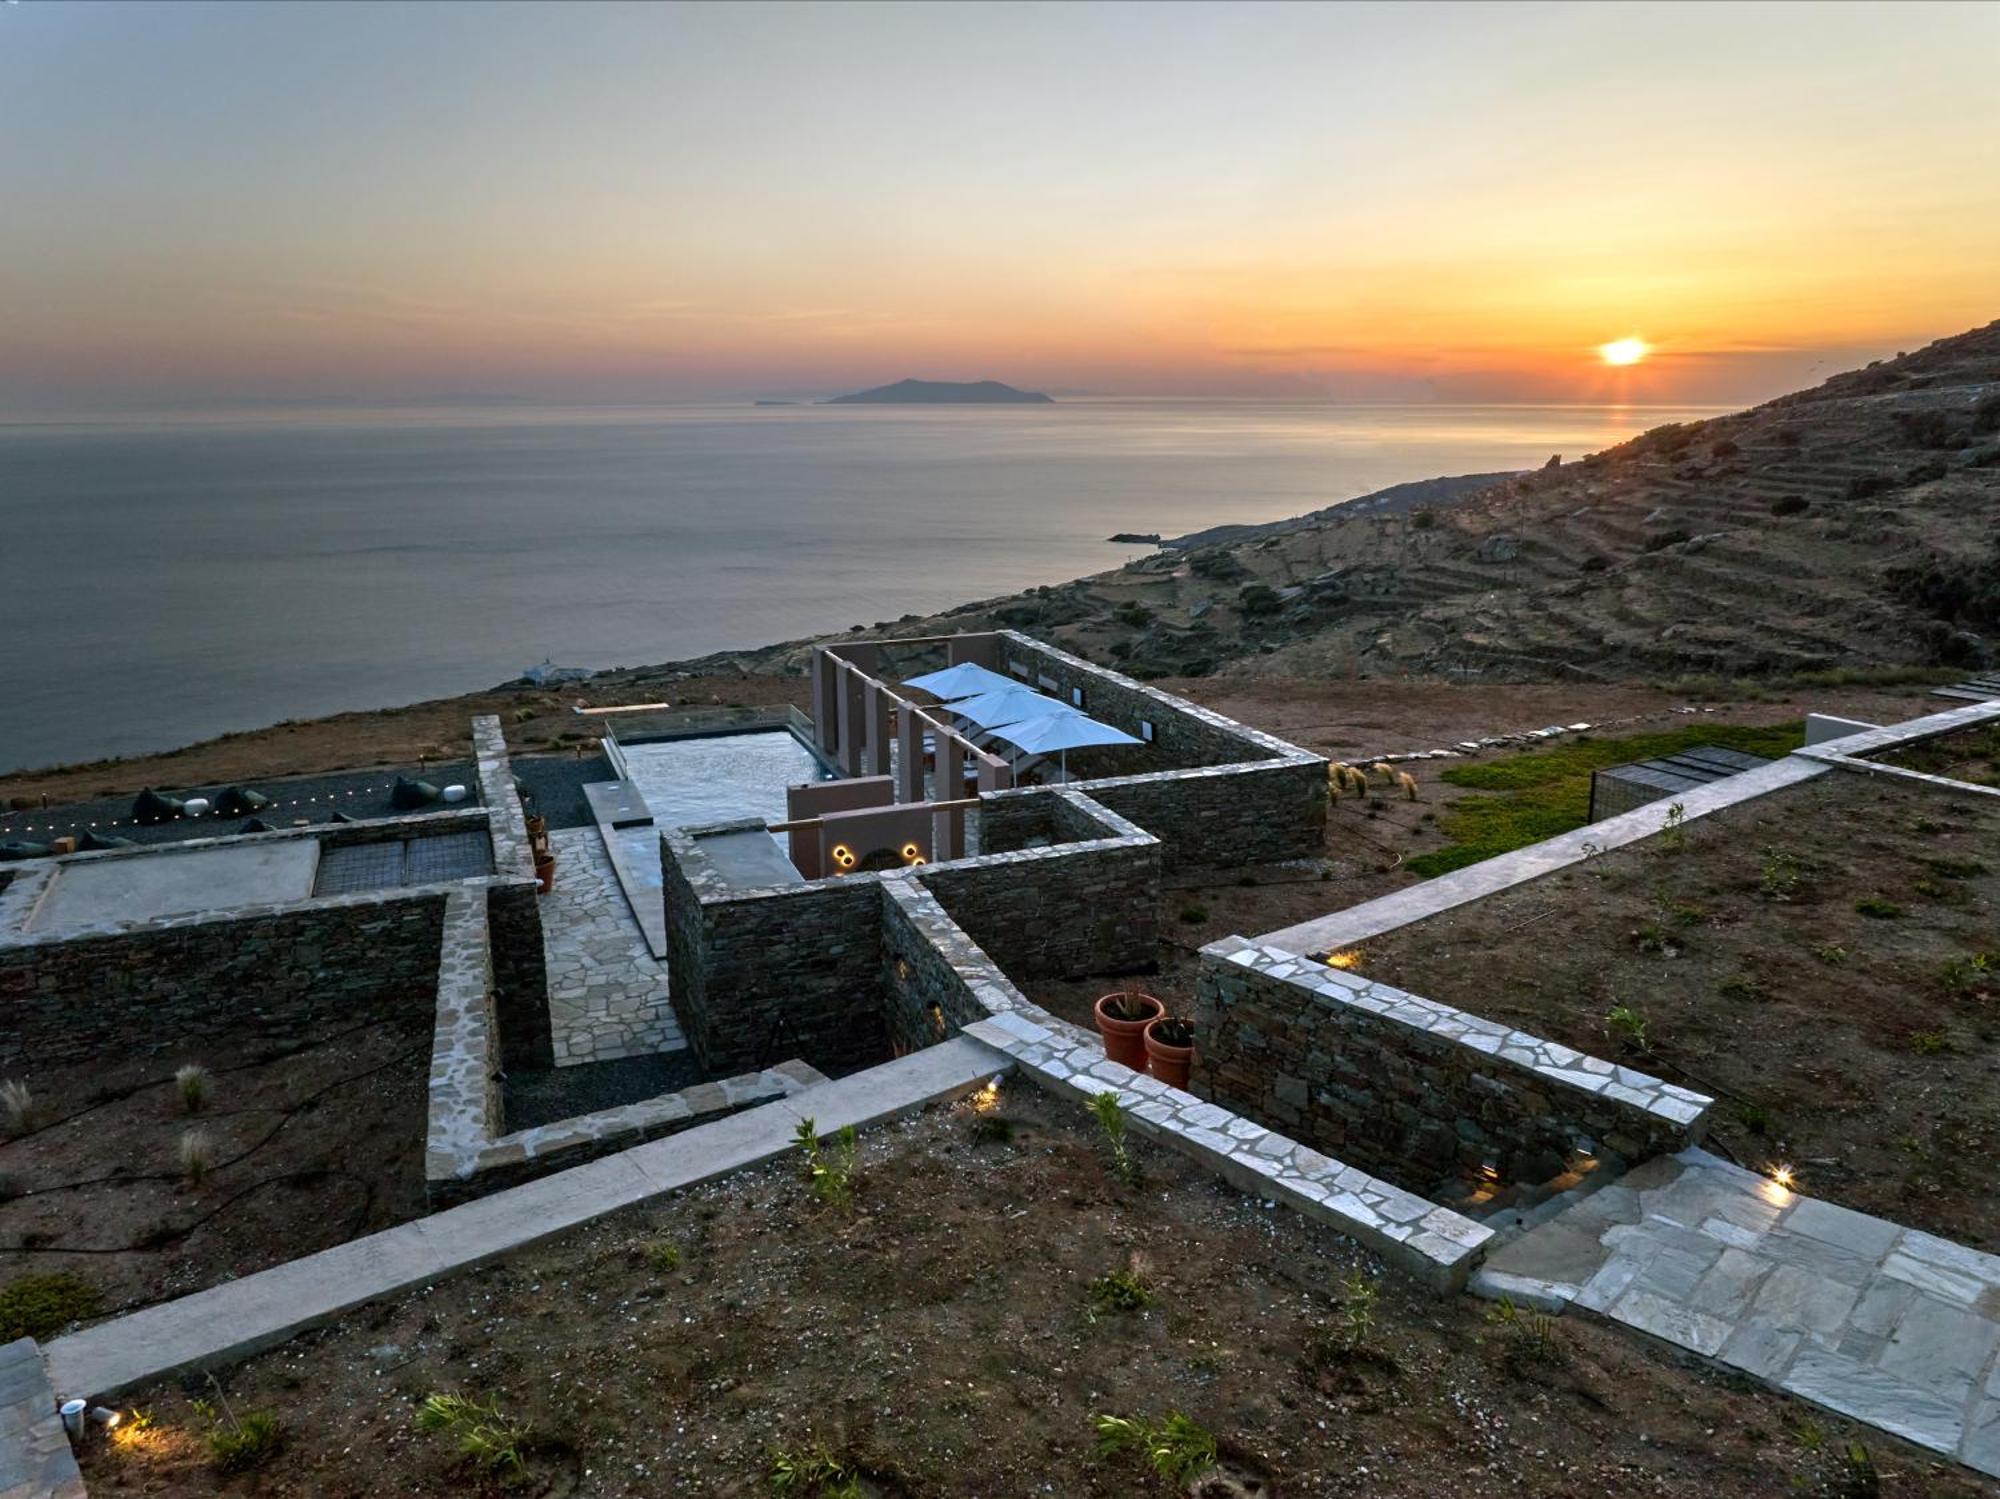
(38, 1306)
(1120, 1291)
(1879, 907)
(1546, 792)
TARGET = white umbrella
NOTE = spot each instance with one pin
(962, 680)
(991, 709)
(1059, 733)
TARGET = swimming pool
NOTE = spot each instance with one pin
(693, 782)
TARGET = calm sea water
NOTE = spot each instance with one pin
(162, 581)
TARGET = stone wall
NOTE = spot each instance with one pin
(341, 957)
(1405, 1086)
(1230, 794)
(520, 974)
(1086, 905)
(756, 976)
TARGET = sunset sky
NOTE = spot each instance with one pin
(212, 203)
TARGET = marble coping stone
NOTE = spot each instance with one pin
(35, 1457)
(1357, 924)
(1434, 1243)
(1854, 751)
(1680, 1111)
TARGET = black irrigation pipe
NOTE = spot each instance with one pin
(285, 1119)
(124, 1093)
(315, 1173)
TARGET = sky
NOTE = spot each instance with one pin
(358, 202)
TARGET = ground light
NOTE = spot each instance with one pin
(1346, 959)
(1784, 1176)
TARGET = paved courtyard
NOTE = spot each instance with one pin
(1885, 1324)
(607, 992)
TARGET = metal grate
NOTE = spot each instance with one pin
(415, 861)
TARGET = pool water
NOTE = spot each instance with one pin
(693, 782)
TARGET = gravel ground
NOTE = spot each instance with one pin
(358, 793)
(554, 785)
(549, 1094)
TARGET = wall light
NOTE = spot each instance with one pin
(911, 854)
(842, 855)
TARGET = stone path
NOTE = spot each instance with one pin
(237, 1318)
(607, 992)
(35, 1457)
(1883, 1323)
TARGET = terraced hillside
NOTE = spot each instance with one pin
(1856, 524)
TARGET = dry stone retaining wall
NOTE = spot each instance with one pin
(1397, 1082)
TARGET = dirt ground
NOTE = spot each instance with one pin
(313, 1140)
(1825, 961)
(941, 1337)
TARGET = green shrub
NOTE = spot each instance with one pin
(1176, 1447)
(238, 1446)
(1258, 598)
(1120, 1291)
(1879, 907)
(830, 1168)
(1194, 915)
(39, 1306)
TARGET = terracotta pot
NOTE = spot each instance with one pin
(1125, 1040)
(545, 871)
(1170, 1064)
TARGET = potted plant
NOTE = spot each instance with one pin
(545, 870)
(1122, 1018)
(1170, 1048)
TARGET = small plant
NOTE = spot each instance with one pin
(484, 1433)
(1780, 876)
(991, 1129)
(1745, 988)
(1830, 953)
(813, 1470)
(1966, 976)
(197, 1155)
(17, 1099)
(1355, 1317)
(1950, 868)
(1128, 1004)
(1177, 1447)
(1929, 1043)
(663, 1255)
(236, 1446)
(1121, 1291)
(1194, 915)
(1528, 1337)
(1629, 1025)
(1111, 1119)
(1878, 907)
(191, 1084)
(1754, 1117)
(1673, 832)
(830, 1167)
(1174, 1030)
(39, 1306)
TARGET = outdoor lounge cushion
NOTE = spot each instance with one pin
(409, 794)
(238, 800)
(151, 807)
(20, 848)
(92, 843)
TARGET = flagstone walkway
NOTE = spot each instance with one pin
(1883, 1323)
(607, 992)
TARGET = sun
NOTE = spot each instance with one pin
(1624, 351)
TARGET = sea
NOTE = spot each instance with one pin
(164, 579)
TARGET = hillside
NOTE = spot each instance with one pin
(1852, 525)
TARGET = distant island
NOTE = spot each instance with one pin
(942, 393)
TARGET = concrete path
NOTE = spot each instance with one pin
(231, 1321)
(1888, 1325)
(607, 991)
(35, 1457)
